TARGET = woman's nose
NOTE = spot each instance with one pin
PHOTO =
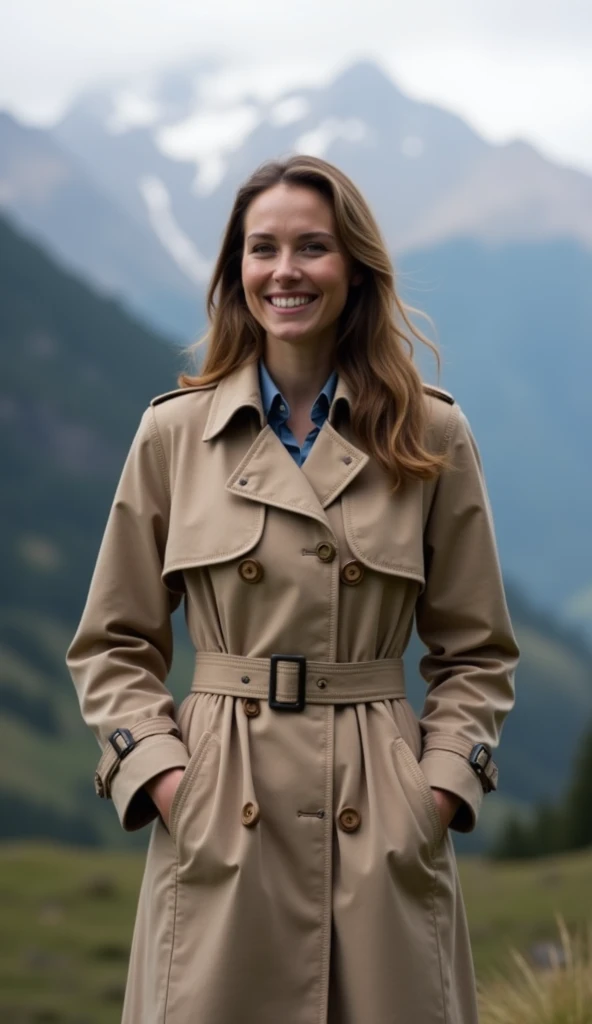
(286, 267)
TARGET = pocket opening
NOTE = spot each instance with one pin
(189, 776)
(415, 773)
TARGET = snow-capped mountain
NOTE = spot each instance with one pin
(172, 151)
(134, 185)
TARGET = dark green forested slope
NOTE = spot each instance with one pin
(75, 374)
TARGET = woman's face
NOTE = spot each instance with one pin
(295, 272)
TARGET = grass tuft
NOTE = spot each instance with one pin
(559, 993)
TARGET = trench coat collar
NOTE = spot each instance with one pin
(238, 390)
(241, 389)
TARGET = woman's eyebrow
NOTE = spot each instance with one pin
(301, 238)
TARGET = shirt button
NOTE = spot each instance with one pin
(326, 551)
(352, 573)
(250, 570)
(250, 815)
(350, 819)
(251, 708)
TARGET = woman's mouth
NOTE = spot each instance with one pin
(291, 303)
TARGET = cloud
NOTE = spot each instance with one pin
(510, 66)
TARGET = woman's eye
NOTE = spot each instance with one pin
(264, 248)
(316, 246)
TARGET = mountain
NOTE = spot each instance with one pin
(76, 371)
(514, 323)
(429, 176)
(50, 194)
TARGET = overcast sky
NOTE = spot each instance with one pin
(511, 67)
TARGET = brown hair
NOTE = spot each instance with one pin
(374, 349)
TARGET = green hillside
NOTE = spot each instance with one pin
(75, 373)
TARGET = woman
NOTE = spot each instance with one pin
(305, 497)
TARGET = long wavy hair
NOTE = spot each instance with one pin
(374, 341)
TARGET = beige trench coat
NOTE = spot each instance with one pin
(306, 878)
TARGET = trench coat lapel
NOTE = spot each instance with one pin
(332, 464)
(267, 473)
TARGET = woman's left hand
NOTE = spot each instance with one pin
(447, 804)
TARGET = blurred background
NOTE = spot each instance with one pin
(125, 130)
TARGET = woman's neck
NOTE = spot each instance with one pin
(299, 374)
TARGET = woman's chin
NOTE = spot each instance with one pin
(290, 331)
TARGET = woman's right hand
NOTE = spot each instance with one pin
(162, 789)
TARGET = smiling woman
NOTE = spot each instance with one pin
(307, 498)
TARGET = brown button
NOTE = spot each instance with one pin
(326, 551)
(322, 684)
(251, 708)
(250, 815)
(349, 819)
(352, 573)
(250, 570)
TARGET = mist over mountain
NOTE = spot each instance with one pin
(429, 176)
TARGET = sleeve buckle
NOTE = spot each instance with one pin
(479, 760)
(122, 742)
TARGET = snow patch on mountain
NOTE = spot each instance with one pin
(175, 241)
(317, 141)
(132, 110)
(288, 111)
(207, 137)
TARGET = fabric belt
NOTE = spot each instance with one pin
(289, 682)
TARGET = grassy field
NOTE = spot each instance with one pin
(66, 919)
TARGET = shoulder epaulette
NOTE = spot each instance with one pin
(180, 391)
(445, 396)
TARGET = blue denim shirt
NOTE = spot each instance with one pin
(277, 411)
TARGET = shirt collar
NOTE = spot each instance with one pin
(272, 397)
(242, 389)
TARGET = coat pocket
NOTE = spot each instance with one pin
(194, 784)
(411, 769)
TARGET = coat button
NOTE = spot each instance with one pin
(326, 551)
(250, 815)
(250, 570)
(99, 787)
(251, 708)
(349, 819)
(352, 573)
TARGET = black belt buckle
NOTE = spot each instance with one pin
(287, 705)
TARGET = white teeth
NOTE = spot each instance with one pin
(300, 300)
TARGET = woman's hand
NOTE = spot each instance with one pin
(447, 804)
(162, 789)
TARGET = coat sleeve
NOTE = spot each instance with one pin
(463, 620)
(122, 651)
